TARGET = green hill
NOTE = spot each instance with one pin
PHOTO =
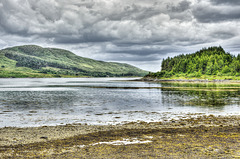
(209, 62)
(35, 61)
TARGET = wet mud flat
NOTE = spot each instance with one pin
(199, 137)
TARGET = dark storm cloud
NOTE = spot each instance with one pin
(85, 38)
(213, 14)
(222, 35)
(138, 29)
(182, 6)
(226, 2)
(123, 57)
(138, 51)
(134, 12)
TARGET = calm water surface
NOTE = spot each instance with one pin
(55, 101)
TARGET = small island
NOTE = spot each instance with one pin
(211, 63)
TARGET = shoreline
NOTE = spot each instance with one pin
(179, 138)
(188, 80)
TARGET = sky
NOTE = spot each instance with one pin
(137, 32)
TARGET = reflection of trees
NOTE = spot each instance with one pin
(201, 85)
(201, 97)
(211, 98)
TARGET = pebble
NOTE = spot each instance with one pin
(44, 137)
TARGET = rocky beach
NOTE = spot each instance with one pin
(200, 137)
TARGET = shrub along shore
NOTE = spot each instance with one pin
(211, 63)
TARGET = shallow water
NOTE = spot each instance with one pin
(54, 101)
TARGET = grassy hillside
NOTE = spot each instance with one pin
(208, 63)
(35, 61)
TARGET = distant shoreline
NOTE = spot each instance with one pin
(189, 80)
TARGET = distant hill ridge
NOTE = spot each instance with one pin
(212, 61)
(35, 61)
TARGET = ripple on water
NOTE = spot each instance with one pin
(37, 102)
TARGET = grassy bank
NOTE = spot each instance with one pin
(184, 76)
(201, 137)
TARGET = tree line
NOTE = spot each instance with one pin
(207, 61)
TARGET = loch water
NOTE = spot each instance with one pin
(55, 101)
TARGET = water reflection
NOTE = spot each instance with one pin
(201, 85)
(26, 100)
(203, 94)
(34, 102)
